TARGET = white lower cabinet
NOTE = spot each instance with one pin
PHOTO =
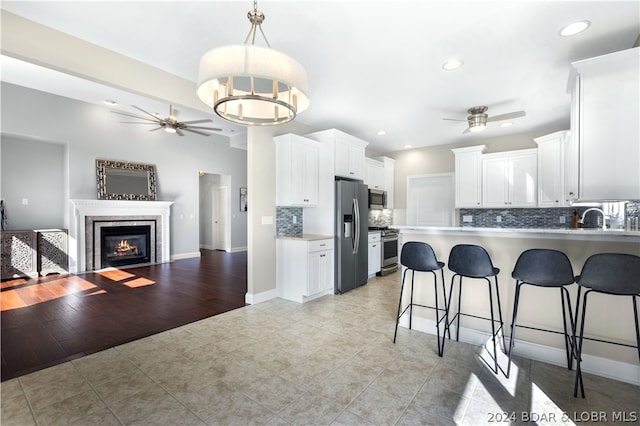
(375, 253)
(304, 268)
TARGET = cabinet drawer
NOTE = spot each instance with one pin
(373, 237)
(320, 245)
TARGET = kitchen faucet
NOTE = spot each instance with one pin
(604, 222)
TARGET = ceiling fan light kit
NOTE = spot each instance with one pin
(478, 118)
(252, 85)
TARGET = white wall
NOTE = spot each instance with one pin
(90, 132)
(34, 171)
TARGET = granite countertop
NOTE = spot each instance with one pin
(304, 237)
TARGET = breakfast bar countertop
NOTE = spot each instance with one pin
(558, 233)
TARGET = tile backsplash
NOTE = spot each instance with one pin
(285, 223)
(554, 218)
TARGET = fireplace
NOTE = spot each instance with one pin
(91, 216)
(125, 245)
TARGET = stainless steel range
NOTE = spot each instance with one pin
(388, 251)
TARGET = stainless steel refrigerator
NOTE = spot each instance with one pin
(352, 222)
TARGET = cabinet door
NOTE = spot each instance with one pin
(550, 172)
(320, 276)
(523, 188)
(374, 176)
(315, 269)
(296, 171)
(495, 180)
(608, 125)
(342, 152)
(356, 161)
(309, 176)
(18, 254)
(374, 257)
(468, 180)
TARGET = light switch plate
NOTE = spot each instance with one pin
(498, 219)
(467, 218)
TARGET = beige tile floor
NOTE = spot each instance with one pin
(330, 361)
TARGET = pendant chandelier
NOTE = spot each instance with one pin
(252, 85)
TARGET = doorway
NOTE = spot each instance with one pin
(430, 200)
(214, 211)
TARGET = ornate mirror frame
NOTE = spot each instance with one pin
(136, 172)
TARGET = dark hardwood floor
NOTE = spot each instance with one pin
(54, 319)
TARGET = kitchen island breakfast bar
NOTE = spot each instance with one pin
(609, 317)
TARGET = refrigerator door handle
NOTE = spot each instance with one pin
(356, 223)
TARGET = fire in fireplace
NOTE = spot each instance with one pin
(125, 245)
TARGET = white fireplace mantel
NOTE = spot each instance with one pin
(113, 208)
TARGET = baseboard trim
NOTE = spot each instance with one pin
(185, 255)
(605, 367)
(255, 298)
(237, 249)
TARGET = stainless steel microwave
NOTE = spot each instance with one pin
(377, 199)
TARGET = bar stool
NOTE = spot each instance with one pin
(472, 261)
(608, 273)
(550, 269)
(419, 256)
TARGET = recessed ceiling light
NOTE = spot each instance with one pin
(574, 28)
(408, 146)
(452, 64)
(507, 124)
(110, 102)
(381, 133)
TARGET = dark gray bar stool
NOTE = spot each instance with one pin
(608, 273)
(551, 269)
(472, 261)
(419, 256)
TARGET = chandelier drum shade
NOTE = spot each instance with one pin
(252, 85)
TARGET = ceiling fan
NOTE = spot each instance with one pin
(169, 124)
(478, 118)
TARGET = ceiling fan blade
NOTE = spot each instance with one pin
(157, 128)
(213, 129)
(453, 119)
(189, 129)
(179, 132)
(156, 120)
(146, 112)
(138, 122)
(508, 116)
(206, 120)
(467, 130)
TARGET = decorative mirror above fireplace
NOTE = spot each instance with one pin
(119, 180)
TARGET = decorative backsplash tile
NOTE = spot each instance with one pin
(284, 220)
(553, 218)
(380, 217)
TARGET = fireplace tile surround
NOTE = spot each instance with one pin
(90, 215)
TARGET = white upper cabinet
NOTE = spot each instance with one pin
(606, 99)
(296, 171)
(468, 176)
(374, 174)
(389, 180)
(348, 152)
(509, 179)
(551, 166)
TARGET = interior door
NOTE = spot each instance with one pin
(220, 220)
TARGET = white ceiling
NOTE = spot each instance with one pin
(372, 65)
